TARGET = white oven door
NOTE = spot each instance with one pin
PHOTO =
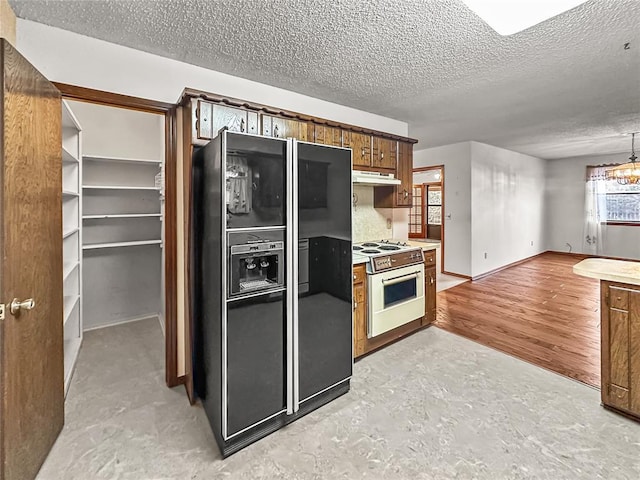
(396, 297)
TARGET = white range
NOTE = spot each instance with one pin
(395, 281)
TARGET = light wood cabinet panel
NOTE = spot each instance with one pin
(359, 310)
(621, 347)
(326, 135)
(384, 153)
(429, 287)
(279, 127)
(360, 144)
(211, 117)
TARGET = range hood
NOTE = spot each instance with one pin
(373, 178)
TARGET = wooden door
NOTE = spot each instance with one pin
(416, 214)
(433, 211)
(31, 345)
(359, 310)
(430, 295)
(360, 144)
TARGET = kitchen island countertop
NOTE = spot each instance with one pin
(612, 270)
(423, 245)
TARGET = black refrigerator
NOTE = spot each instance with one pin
(272, 282)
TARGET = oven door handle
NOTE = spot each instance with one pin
(401, 278)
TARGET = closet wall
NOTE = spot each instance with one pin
(122, 224)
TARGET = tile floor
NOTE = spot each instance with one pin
(432, 406)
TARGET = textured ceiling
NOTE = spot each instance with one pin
(562, 88)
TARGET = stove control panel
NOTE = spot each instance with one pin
(396, 260)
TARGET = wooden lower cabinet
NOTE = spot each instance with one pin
(620, 336)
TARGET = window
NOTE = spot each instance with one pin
(416, 223)
(611, 203)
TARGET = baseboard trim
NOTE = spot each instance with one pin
(504, 267)
(467, 277)
(574, 254)
(122, 322)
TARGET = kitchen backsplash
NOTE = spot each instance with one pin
(369, 223)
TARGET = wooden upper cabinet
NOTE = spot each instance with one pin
(404, 192)
(360, 144)
(326, 135)
(400, 195)
(385, 153)
(279, 127)
(211, 117)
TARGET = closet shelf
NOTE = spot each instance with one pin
(100, 158)
(69, 304)
(68, 269)
(117, 187)
(95, 246)
(68, 193)
(67, 156)
(121, 215)
(69, 232)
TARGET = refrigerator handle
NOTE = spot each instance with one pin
(294, 283)
(290, 279)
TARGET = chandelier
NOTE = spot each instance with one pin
(627, 173)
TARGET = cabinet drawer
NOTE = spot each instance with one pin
(359, 274)
(429, 258)
(619, 298)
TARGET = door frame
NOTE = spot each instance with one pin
(442, 177)
(83, 94)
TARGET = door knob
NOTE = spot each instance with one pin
(16, 306)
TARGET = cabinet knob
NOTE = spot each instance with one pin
(431, 280)
(16, 305)
(354, 277)
(381, 155)
(242, 125)
(275, 131)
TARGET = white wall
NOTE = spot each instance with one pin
(456, 159)
(507, 207)
(565, 194)
(68, 57)
(494, 204)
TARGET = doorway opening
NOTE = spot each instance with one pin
(426, 213)
(114, 213)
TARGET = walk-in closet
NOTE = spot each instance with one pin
(113, 214)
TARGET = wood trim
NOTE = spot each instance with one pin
(582, 256)
(83, 94)
(459, 275)
(432, 167)
(387, 338)
(423, 229)
(170, 250)
(622, 224)
(189, 93)
(504, 267)
(187, 154)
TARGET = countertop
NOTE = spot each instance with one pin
(423, 245)
(611, 270)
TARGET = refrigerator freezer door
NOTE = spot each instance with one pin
(324, 313)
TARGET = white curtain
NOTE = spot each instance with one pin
(595, 215)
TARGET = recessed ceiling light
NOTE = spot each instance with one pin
(511, 16)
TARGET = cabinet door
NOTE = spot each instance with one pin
(317, 264)
(404, 191)
(278, 127)
(210, 118)
(345, 281)
(634, 355)
(359, 311)
(430, 295)
(361, 146)
(327, 135)
(385, 153)
(616, 345)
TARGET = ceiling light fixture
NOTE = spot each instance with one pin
(627, 173)
(511, 16)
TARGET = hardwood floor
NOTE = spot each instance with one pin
(539, 311)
